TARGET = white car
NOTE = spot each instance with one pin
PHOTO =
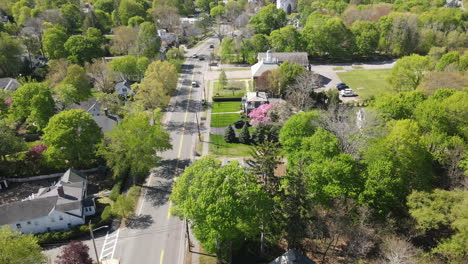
(347, 93)
(194, 84)
(194, 56)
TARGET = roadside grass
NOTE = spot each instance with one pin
(337, 68)
(219, 147)
(357, 67)
(372, 82)
(234, 88)
(221, 107)
(223, 120)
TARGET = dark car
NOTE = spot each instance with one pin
(201, 58)
(211, 46)
(240, 124)
(341, 86)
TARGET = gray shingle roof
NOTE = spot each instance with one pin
(47, 200)
(26, 210)
(86, 105)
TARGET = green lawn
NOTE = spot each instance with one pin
(221, 107)
(219, 147)
(372, 81)
(223, 120)
(234, 88)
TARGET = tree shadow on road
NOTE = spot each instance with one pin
(190, 127)
(140, 222)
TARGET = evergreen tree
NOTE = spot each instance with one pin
(229, 135)
(244, 136)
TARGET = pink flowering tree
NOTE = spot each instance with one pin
(259, 114)
(35, 152)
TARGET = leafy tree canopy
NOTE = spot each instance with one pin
(16, 248)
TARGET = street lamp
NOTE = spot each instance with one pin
(92, 237)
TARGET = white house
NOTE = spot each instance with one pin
(263, 65)
(252, 100)
(288, 6)
(58, 207)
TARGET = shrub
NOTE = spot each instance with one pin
(115, 192)
(106, 214)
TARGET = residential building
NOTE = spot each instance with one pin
(124, 89)
(252, 100)
(100, 114)
(59, 207)
(168, 38)
(263, 65)
(9, 84)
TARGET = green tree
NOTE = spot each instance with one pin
(328, 37)
(9, 142)
(130, 148)
(230, 135)
(73, 17)
(104, 5)
(16, 248)
(295, 129)
(396, 164)
(265, 159)
(82, 48)
(217, 11)
(226, 215)
(33, 102)
(401, 105)
(53, 41)
(366, 35)
(135, 21)
(290, 70)
(77, 77)
(10, 51)
(71, 137)
(286, 39)
(244, 136)
(128, 9)
(222, 80)
(451, 58)
(227, 49)
(158, 85)
(440, 210)
(408, 72)
(66, 94)
(130, 67)
(148, 42)
(123, 207)
(399, 33)
(268, 19)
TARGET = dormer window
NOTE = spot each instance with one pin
(18, 226)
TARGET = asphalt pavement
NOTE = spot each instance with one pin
(154, 236)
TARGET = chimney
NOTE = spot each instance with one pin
(106, 111)
(60, 191)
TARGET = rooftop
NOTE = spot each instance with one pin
(262, 66)
(256, 97)
(297, 57)
(9, 84)
(47, 200)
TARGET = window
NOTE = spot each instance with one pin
(69, 225)
(48, 229)
(18, 226)
(28, 222)
(60, 218)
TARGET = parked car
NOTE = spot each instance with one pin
(240, 124)
(194, 56)
(203, 102)
(194, 84)
(211, 46)
(214, 63)
(201, 58)
(341, 86)
(347, 93)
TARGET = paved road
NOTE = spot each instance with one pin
(154, 236)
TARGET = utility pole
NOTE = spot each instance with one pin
(198, 124)
(188, 235)
(94, 242)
